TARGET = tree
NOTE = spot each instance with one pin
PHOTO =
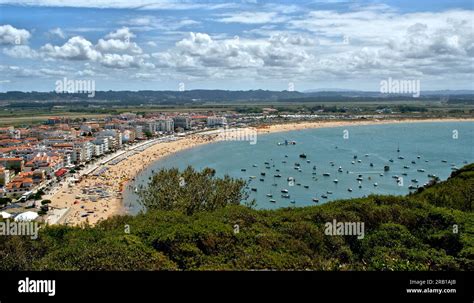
(191, 191)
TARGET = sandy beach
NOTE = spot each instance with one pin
(107, 188)
(320, 124)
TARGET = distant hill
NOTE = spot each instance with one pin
(23, 99)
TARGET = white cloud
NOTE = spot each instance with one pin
(57, 32)
(123, 33)
(12, 35)
(251, 18)
(116, 45)
(123, 4)
(76, 48)
(21, 52)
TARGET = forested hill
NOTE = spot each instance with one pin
(429, 230)
(202, 95)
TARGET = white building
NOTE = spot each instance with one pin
(166, 125)
(216, 121)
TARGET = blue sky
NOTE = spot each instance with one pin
(157, 44)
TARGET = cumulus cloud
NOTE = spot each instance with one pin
(58, 33)
(12, 35)
(116, 45)
(21, 52)
(123, 33)
(76, 48)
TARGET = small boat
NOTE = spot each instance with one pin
(339, 169)
(262, 180)
(421, 170)
(286, 156)
(360, 179)
(406, 167)
(414, 180)
(306, 186)
(359, 161)
(286, 196)
(267, 163)
(277, 170)
(292, 201)
(285, 191)
(272, 201)
(297, 164)
(349, 189)
(298, 184)
(395, 176)
(274, 184)
(418, 157)
(243, 169)
(366, 155)
(254, 189)
(375, 184)
(262, 174)
(269, 195)
(381, 175)
(324, 196)
(314, 167)
(413, 162)
(252, 177)
(353, 162)
(277, 176)
(303, 156)
(444, 161)
(308, 161)
(411, 187)
(335, 181)
(431, 176)
(326, 174)
(404, 174)
(284, 162)
(290, 179)
(401, 158)
(371, 164)
(329, 192)
(386, 168)
(355, 156)
(255, 165)
(315, 200)
(391, 160)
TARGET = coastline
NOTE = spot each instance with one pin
(115, 179)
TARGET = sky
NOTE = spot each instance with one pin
(236, 45)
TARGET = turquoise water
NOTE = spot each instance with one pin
(428, 144)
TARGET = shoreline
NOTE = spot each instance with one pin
(117, 177)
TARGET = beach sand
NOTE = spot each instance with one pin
(115, 179)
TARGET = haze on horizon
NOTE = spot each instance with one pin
(236, 45)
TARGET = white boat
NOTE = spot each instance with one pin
(336, 181)
(349, 189)
(285, 191)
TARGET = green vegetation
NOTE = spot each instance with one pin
(187, 228)
(190, 191)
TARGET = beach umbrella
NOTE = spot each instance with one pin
(26, 216)
(5, 215)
